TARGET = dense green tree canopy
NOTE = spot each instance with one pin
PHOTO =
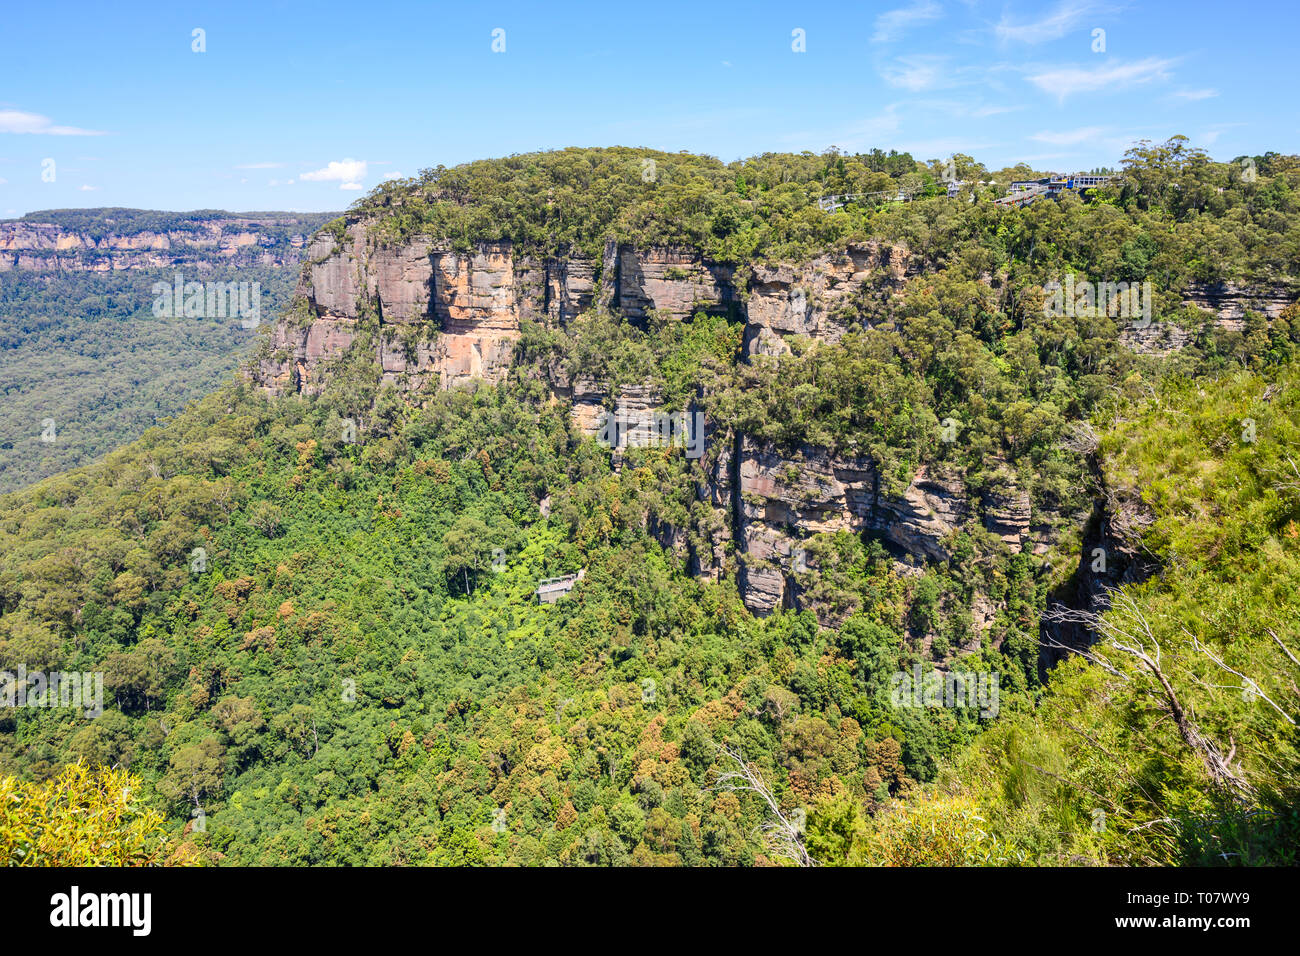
(324, 651)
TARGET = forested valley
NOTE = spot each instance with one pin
(312, 593)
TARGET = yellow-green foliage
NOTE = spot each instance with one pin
(930, 830)
(943, 831)
(82, 817)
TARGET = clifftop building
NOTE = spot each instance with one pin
(1025, 191)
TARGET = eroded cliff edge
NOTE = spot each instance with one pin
(439, 317)
(95, 241)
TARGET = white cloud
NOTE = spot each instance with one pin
(916, 73)
(963, 108)
(387, 176)
(1069, 80)
(3, 181)
(1070, 137)
(942, 147)
(347, 172)
(1090, 143)
(1211, 136)
(15, 121)
(871, 131)
(1194, 95)
(984, 111)
(1051, 27)
(892, 24)
(87, 189)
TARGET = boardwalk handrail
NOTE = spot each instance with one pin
(833, 203)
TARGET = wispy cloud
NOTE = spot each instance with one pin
(1069, 80)
(347, 172)
(1093, 140)
(917, 73)
(1055, 25)
(1211, 136)
(1194, 95)
(87, 189)
(942, 147)
(985, 111)
(892, 24)
(1069, 137)
(16, 121)
(963, 108)
(259, 165)
(862, 134)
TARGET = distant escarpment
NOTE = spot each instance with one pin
(112, 240)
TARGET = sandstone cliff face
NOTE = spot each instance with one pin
(438, 315)
(785, 498)
(451, 317)
(442, 316)
(1158, 338)
(816, 299)
(1006, 512)
(457, 315)
(48, 248)
(676, 282)
(634, 409)
(1229, 301)
(1112, 555)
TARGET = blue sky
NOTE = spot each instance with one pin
(304, 106)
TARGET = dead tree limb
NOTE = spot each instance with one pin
(1126, 630)
(1254, 687)
(1285, 650)
(781, 834)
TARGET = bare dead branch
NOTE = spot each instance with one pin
(1278, 640)
(1123, 627)
(1259, 691)
(782, 835)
